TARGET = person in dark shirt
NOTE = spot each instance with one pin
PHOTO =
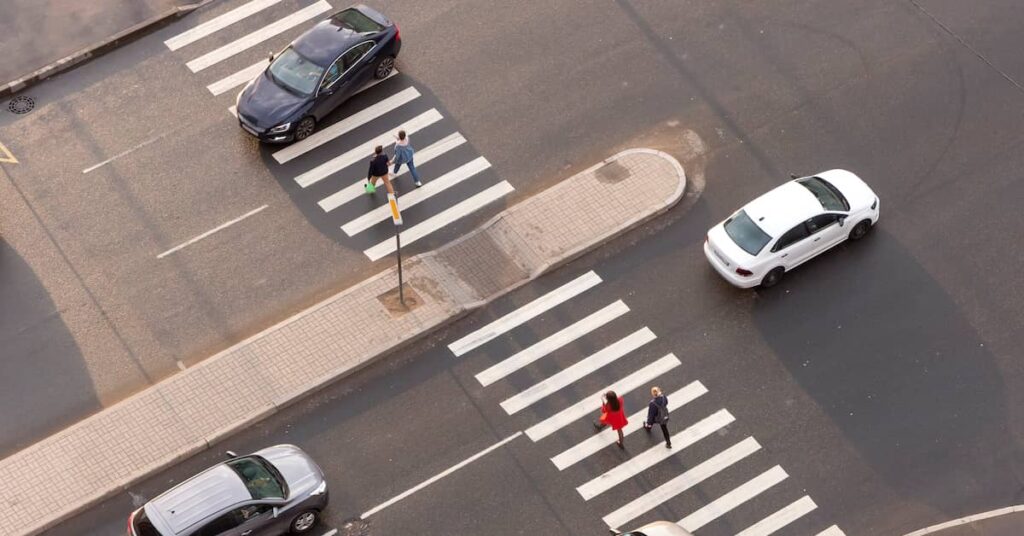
(378, 170)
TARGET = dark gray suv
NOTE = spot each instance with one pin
(270, 492)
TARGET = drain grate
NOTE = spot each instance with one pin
(21, 104)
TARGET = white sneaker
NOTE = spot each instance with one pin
(418, 184)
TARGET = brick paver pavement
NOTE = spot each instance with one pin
(81, 465)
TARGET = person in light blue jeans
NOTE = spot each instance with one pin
(403, 155)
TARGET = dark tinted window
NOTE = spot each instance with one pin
(746, 233)
(248, 512)
(354, 54)
(827, 195)
(354, 20)
(220, 525)
(142, 525)
(821, 221)
(793, 235)
(261, 482)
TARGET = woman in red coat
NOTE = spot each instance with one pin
(613, 413)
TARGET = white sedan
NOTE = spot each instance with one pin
(790, 225)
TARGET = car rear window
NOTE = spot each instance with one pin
(746, 233)
(825, 193)
(356, 21)
(143, 526)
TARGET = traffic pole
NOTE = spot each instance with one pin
(396, 218)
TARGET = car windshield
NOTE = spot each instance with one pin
(746, 233)
(259, 478)
(826, 194)
(295, 73)
(356, 21)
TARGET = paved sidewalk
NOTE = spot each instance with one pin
(100, 456)
(39, 38)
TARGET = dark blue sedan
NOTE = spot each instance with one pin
(318, 72)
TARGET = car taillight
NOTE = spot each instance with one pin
(743, 272)
(398, 33)
(130, 519)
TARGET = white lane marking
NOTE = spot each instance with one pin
(832, 531)
(681, 483)
(439, 220)
(423, 156)
(724, 504)
(218, 23)
(268, 31)
(417, 196)
(439, 476)
(348, 124)
(241, 77)
(365, 151)
(578, 370)
(211, 231)
(788, 514)
(968, 519)
(523, 314)
(553, 342)
(599, 441)
(587, 405)
(631, 467)
(129, 151)
(331, 532)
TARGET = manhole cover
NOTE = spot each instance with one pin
(21, 104)
(354, 527)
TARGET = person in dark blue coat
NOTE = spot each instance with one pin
(657, 413)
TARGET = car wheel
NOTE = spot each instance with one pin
(305, 128)
(860, 230)
(303, 522)
(773, 277)
(384, 67)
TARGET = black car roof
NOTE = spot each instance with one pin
(323, 43)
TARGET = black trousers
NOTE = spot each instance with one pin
(664, 432)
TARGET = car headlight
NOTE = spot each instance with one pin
(279, 128)
(321, 489)
(875, 204)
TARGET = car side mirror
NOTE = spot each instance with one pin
(230, 454)
(793, 176)
(277, 512)
(842, 220)
(271, 58)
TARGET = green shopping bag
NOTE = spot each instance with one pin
(370, 188)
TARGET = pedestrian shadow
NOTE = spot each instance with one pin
(329, 222)
(44, 383)
(887, 354)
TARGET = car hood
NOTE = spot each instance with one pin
(856, 191)
(266, 104)
(299, 470)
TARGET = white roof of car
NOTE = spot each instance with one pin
(778, 210)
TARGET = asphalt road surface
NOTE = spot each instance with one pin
(882, 378)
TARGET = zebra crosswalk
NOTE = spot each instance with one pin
(325, 172)
(729, 479)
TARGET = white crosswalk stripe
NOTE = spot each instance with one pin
(586, 406)
(552, 343)
(608, 436)
(441, 219)
(732, 499)
(363, 152)
(423, 156)
(346, 125)
(788, 514)
(241, 77)
(832, 531)
(218, 23)
(521, 315)
(681, 483)
(578, 370)
(631, 467)
(413, 198)
(257, 37)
